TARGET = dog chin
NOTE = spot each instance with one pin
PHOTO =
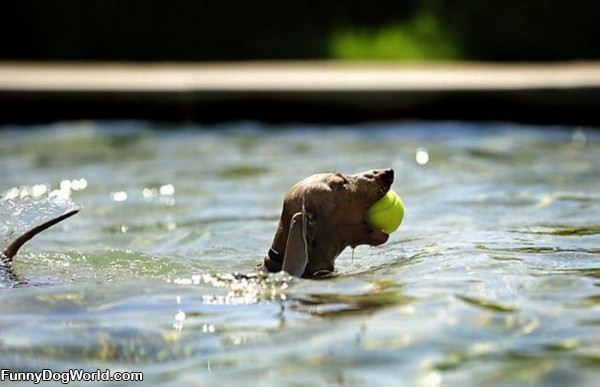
(378, 237)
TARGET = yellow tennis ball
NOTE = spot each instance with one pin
(387, 213)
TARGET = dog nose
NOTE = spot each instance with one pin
(386, 174)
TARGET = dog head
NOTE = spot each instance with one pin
(322, 215)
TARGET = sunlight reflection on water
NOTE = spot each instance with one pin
(492, 279)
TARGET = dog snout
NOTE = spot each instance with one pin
(378, 173)
(387, 175)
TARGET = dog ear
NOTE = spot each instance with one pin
(296, 250)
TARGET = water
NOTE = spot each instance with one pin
(492, 279)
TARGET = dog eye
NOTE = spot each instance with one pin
(338, 184)
(337, 181)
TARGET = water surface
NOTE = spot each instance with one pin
(492, 279)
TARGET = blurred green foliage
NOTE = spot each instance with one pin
(300, 29)
(420, 38)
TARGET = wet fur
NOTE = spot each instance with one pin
(12, 249)
(321, 216)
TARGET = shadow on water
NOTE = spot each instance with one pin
(562, 230)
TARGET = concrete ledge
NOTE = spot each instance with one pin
(311, 91)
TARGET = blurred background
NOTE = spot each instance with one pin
(308, 61)
(210, 30)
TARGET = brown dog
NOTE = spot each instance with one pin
(322, 215)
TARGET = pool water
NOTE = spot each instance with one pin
(493, 278)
